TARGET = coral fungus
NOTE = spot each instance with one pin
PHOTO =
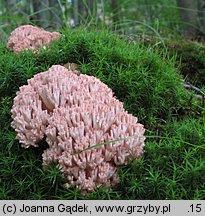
(30, 37)
(75, 113)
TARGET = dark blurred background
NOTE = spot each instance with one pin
(165, 17)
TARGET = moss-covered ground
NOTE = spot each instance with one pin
(189, 55)
(173, 166)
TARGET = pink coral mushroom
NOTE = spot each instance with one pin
(30, 37)
(75, 113)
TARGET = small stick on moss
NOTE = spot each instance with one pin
(198, 96)
(190, 86)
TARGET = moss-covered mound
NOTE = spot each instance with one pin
(190, 56)
(147, 83)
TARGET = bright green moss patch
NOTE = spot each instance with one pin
(150, 87)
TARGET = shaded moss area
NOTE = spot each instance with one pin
(150, 87)
(190, 56)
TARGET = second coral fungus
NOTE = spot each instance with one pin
(30, 37)
(75, 113)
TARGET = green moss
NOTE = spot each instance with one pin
(149, 85)
(190, 56)
(174, 162)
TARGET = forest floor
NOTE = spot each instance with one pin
(150, 78)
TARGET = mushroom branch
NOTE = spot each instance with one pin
(74, 113)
